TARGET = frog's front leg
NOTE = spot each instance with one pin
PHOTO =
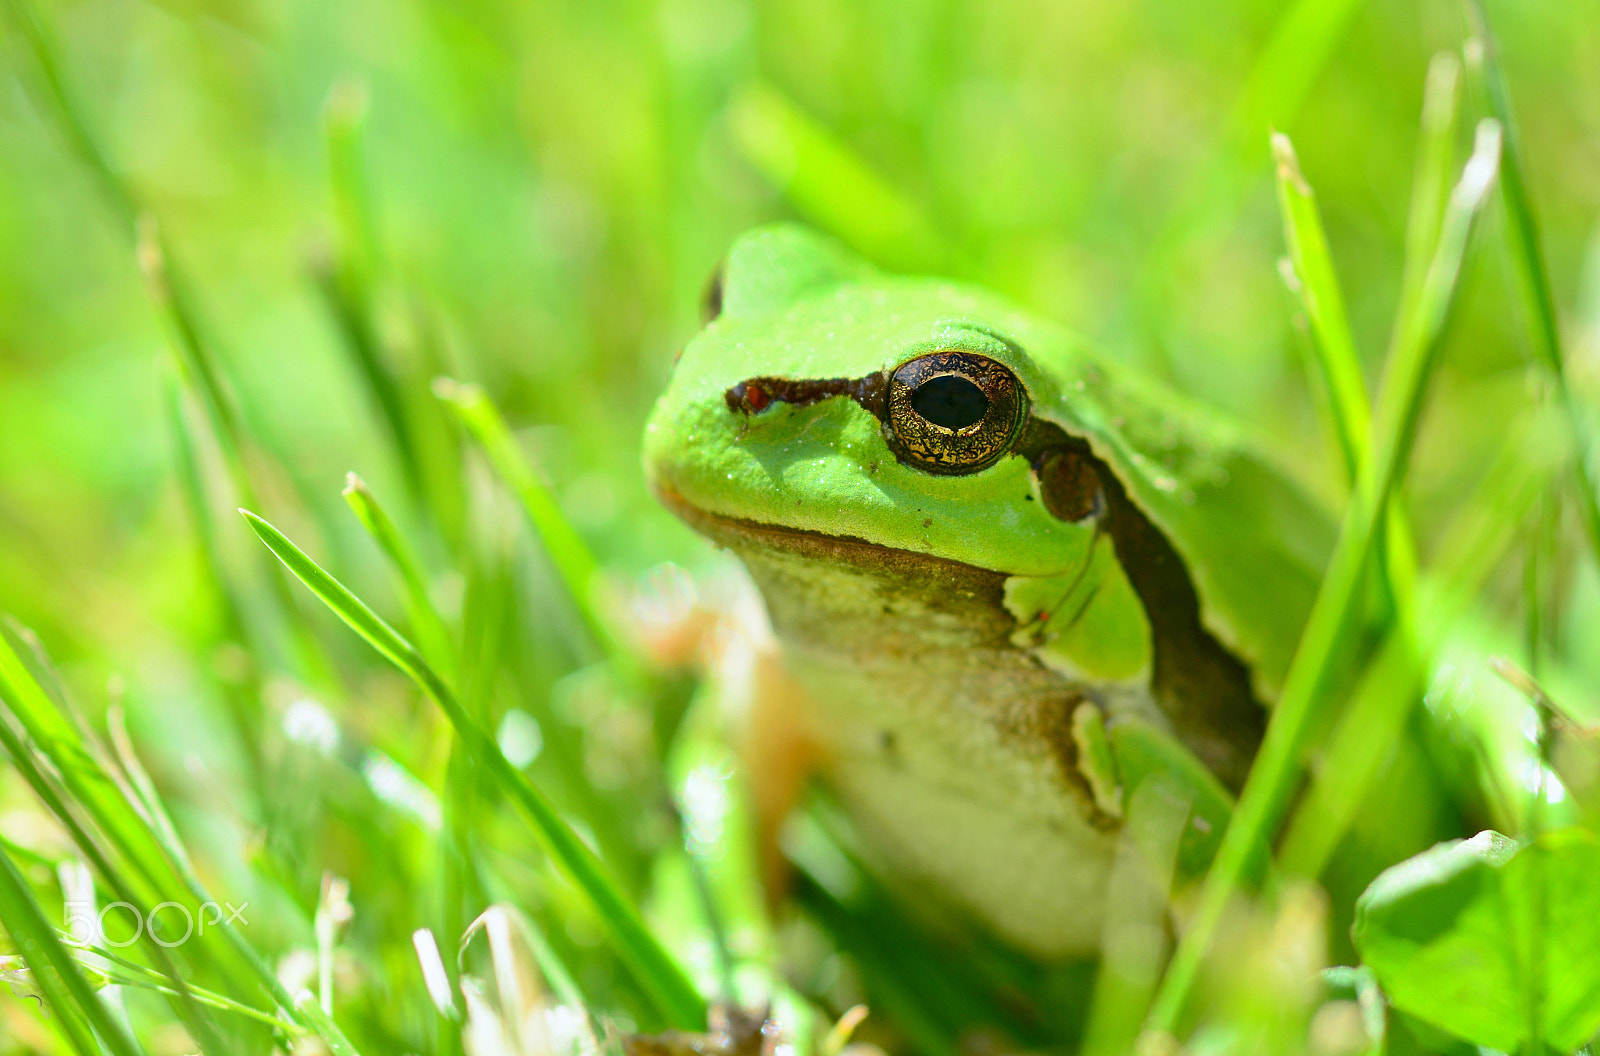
(1118, 759)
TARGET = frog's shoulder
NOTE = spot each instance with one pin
(1254, 539)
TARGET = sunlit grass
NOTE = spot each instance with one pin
(529, 833)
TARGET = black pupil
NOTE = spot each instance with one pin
(950, 401)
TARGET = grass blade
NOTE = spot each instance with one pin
(657, 973)
(345, 276)
(1392, 683)
(322, 1024)
(432, 635)
(1431, 182)
(1528, 263)
(142, 839)
(1334, 346)
(123, 972)
(77, 767)
(1383, 696)
(54, 970)
(574, 563)
(164, 833)
(23, 762)
(1277, 765)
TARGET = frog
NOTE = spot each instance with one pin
(1014, 577)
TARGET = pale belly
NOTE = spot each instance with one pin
(949, 748)
(955, 814)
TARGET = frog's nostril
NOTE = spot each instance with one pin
(950, 401)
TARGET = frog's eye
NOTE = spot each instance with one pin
(953, 412)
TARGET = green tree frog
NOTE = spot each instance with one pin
(1013, 577)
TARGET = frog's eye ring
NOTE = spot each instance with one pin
(953, 412)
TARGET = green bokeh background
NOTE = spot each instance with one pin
(555, 182)
(552, 183)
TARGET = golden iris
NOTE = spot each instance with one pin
(953, 412)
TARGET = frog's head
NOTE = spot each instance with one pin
(826, 397)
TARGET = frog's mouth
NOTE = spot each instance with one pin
(742, 535)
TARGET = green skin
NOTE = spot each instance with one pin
(995, 660)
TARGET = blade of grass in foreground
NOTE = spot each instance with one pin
(426, 623)
(1337, 364)
(1389, 686)
(657, 973)
(1272, 778)
(165, 834)
(123, 972)
(145, 860)
(573, 561)
(28, 765)
(1353, 754)
(1527, 260)
(78, 772)
(1336, 355)
(1333, 344)
(55, 972)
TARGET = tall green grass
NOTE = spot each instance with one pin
(502, 816)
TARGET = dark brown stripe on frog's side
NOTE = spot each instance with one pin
(1203, 688)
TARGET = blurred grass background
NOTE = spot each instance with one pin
(531, 197)
(554, 183)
